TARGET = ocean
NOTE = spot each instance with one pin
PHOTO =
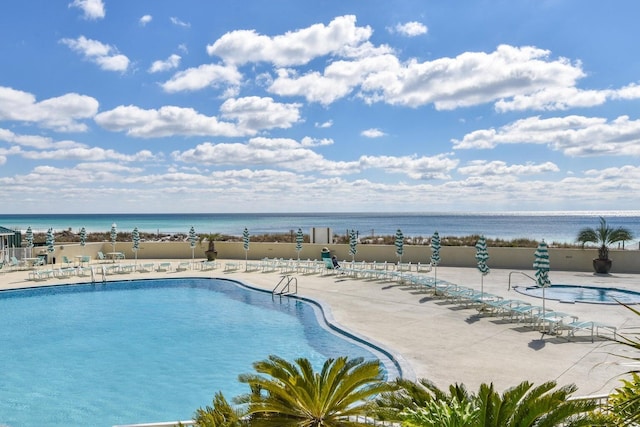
(560, 227)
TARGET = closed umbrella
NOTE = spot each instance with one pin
(299, 241)
(353, 245)
(193, 238)
(29, 238)
(541, 266)
(135, 238)
(245, 245)
(399, 244)
(435, 255)
(51, 241)
(481, 257)
(114, 236)
(83, 238)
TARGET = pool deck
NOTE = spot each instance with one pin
(443, 341)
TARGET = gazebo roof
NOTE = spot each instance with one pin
(6, 232)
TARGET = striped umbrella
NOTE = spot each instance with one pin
(135, 238)
(193, 238)
(299, 241)
(435, 255)
(51, 241)
(353, 245)
(245, 244)
(114, 236)
(29, 238)
(83, 237)
(541, 265)
(481, 257)
(399, 244)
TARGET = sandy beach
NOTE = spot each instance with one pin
(445, 341)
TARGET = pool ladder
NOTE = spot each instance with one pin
(93, 274)
(518, 272)
(285, 284)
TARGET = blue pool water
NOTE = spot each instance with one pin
(146, 351)
(588, 294)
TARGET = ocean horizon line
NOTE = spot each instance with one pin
(591, 212)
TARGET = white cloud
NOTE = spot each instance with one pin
(315, 142)
(165, 121)
(91, 9)
(60, 113)
(574, 135)
(500, 168)
(411, 29)
(170, 63)
(421, 168)
(254, 113)
(373, 133)
(324, 125)
(179, 23)
(105, 56)
(292, 48)
(144, 20)
(203, 76)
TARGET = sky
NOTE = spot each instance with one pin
(145, 106)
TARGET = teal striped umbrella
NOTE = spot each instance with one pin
(83, 237)
(114, 236)
(299, 241)
(481, 258)
(135, 238)
(245, 244)
(435, 255)
(399, 244)
(51, 241)
(541, 266)
(29, 238)
(193, 238)
(353, 245)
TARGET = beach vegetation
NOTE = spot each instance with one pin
(603, 235)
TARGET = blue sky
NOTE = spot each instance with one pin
(351, 105)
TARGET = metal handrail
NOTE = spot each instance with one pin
(519, 272)
(286, 286)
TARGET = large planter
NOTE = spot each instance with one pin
(211, 255)
(602, 266)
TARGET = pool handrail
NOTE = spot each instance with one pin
(519, 272)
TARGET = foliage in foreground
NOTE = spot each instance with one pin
(293, 394)
(422, 404)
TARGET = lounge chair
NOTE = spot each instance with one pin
(183, 266)
(164, 266)
(14, 263)
(423, 268)
(592, 327)
(66, 261)
(102, 258)
(209, 265)
(145, 268)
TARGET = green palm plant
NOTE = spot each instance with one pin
(219, 414)
(293, 394)
(521, 406)
(604, 235)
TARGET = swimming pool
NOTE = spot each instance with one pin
(586, 294)
(147, 350)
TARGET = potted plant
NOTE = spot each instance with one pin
(211, 252)
(605, 236)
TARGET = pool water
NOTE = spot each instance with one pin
(587, 294)
(145, 351)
